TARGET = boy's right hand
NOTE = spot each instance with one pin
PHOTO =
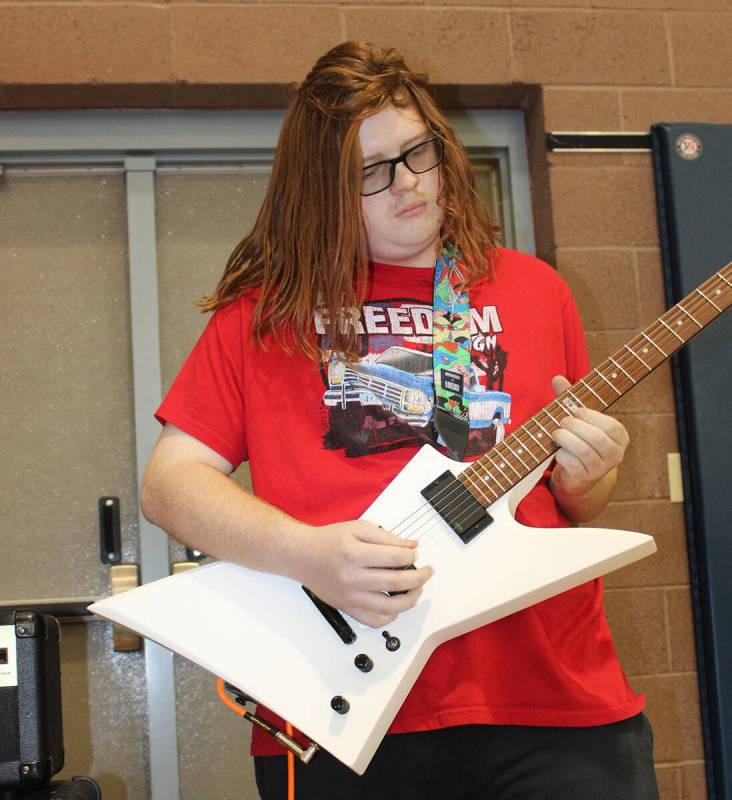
(352, 565)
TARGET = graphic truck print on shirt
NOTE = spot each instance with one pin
(385, 400)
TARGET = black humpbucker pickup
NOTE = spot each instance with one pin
(457, 506)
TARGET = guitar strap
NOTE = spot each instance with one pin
(451, 352)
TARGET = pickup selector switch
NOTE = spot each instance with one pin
(392, 643)
(363, 662)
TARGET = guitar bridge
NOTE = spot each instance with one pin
(457, 506)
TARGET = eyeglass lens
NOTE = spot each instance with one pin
(421, 158)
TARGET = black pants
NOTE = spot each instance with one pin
(484, 762)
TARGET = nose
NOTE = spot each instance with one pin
(404, 179)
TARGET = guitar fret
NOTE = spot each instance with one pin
(527, 448)
(502, 473)
(654, 344)
(487, 474)
(576, 402)
(627, 374)
(536, 420)
(588, 387)
(521, 449)
(709, 300)
(632, 352)
(546, 411)
(612, 386)
(690, 317)
(505, 444)
(486, 489)
(724, 279)
(478, 489)
(535, 439)
(671, 329)
(497, 466)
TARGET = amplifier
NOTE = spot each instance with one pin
(31, 737)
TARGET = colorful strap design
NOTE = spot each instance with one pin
(451, 352)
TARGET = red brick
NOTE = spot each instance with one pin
(565, 159)
(251, 44)
(473, 3)
(430, 40)
(651, 288)
(681, 629)
(693, 781)
(285, 3)
(673, 709)
(669, 781)
(550, 3)
(662, 5)
(590, 47)
(581, 109)
(603, 207)
(643, 107)
(660, 519)
(637, 619)
(665, 441)
(638, 475)
(701, 49)
(603, 284)
(79, 44)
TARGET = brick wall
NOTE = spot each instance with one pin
(572, 65)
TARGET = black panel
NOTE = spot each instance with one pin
(31, 744)
(693, 165)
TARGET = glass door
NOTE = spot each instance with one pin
(67, 431)
(112, 225)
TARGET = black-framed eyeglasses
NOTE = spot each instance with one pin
(421, 158)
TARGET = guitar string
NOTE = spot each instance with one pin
(424, 535)
(704, 302)
(631, 357)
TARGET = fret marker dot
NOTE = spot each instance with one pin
(502, 464)
(679, 322)
(539, 435)
(614, 375)
(717, 291)
(645, 349)
(520, 450)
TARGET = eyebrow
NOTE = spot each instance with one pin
(374, 158)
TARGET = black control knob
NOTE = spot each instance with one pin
(340, 704)
(363, 662)
(392, 643)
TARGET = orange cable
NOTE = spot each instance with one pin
(226, 700)
(237, 709)
(290, 766)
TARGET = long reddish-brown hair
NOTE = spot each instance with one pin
(308, 250)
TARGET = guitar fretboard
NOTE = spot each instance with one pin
(503, 466)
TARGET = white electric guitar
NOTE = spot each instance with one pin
(342, 683)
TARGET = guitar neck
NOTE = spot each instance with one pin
(504, 465)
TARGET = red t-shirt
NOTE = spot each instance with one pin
(323, 455)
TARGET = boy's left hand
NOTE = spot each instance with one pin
(591, 444)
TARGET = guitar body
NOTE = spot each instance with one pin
(261, 633)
